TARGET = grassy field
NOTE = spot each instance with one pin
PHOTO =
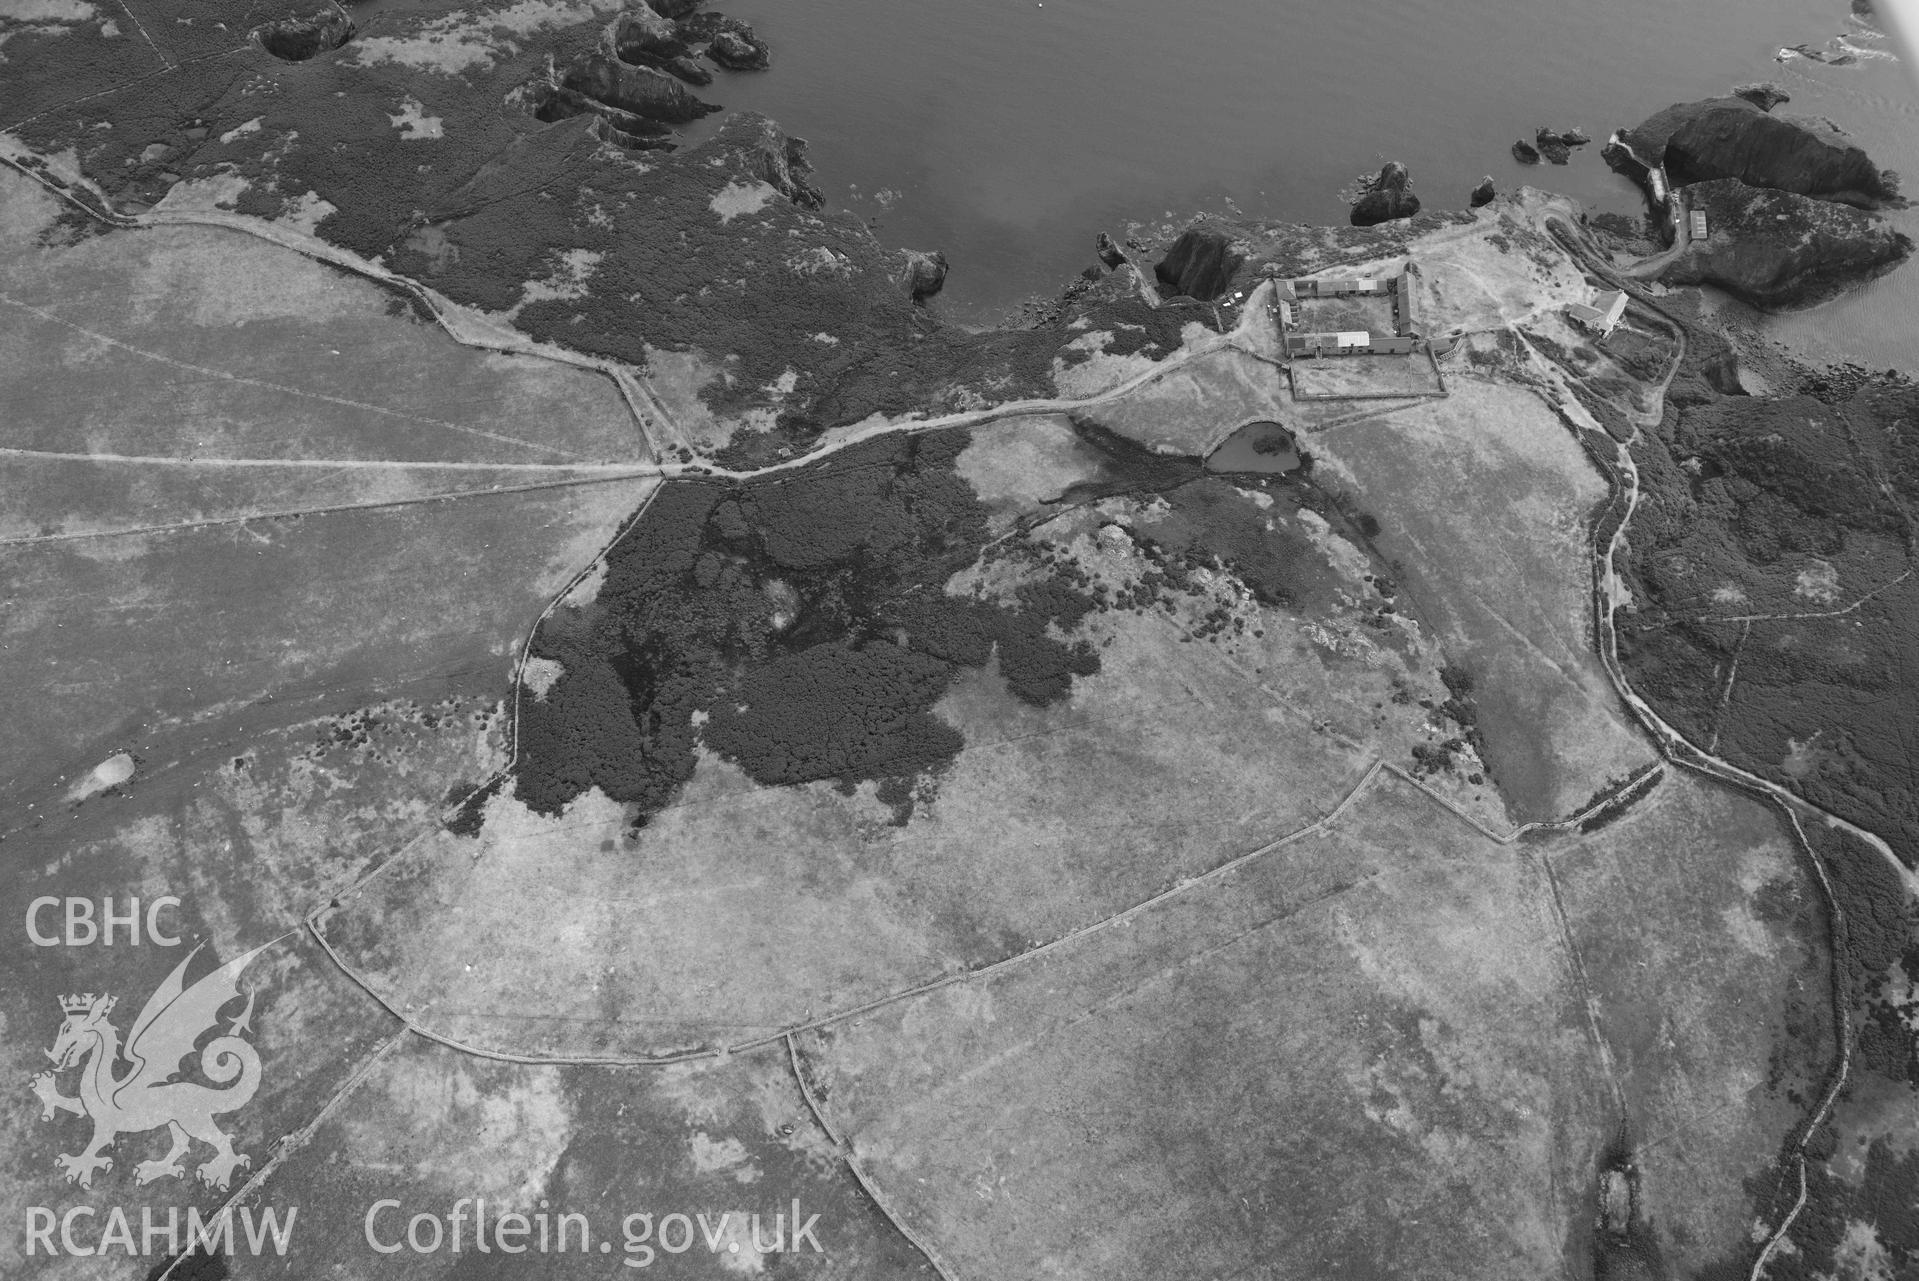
(1218, 721)
(1331, 377)
(1018, 464)
(190, 342)
(430, 1126)
(71, 499)
(1713, 991)
(1482, 501)
(1371, 312)
(186, 356)
(251, 818)
(761, 907)
(1369, 1053)
(1192, 409)
(116, 644)
(246, 843)
(1355, 1057)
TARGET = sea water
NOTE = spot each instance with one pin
(1007, 133)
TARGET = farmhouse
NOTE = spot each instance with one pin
(1363, 285)
(1403, 340)
(1349, 342)
(1603, 316)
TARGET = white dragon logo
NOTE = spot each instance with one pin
(147, 1097)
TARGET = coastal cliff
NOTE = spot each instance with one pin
(1775, 249)
(1790, 204)
(1733, 138)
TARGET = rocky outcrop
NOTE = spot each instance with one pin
(1390, 196)
(781, 161)
(298, 39)
(549, 102)
(923, 274)
(639, 91)
(1110, 254)
(1484, 194)
(642, 36)
(1733, 138)
(1777, 249)
(688, 70)
(1553, 147)
(672, 8)
(1575, 137)
(1763, 94)
(739, 51)
(1525, 153)
(1201, 263)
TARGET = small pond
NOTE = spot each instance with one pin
(1256, 447)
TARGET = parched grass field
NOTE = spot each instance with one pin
(1703, 938)
(1371, 312)
(191, 342)
(1018, 464)
(1482, 500)
(245, 843)
(251, 819)
(115, 644)
(1357, 1056)
(311, 1033)
(740, 910)
(1368, 1053)
(186, 356)
(1215, 724)
(727, 1141)
(1191, 409)
(72, 499)
(1341, 377)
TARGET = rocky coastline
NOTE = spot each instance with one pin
(1791, 205)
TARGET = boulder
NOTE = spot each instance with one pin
(923, 273)
(1553, 147)
(1778, 249)
(1109, 253)
(640, 91)
(1575, 137)
(1390, 196)
(1484, 193)
(738, 51)
(1525, 153)
(641, 35)
(1201, 262)
(1763, 94)
(1733, 138)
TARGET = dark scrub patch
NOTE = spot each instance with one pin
(798, 627)
(1212, 523)
(489, 206)
(1745, 490)
(1883, 1199)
